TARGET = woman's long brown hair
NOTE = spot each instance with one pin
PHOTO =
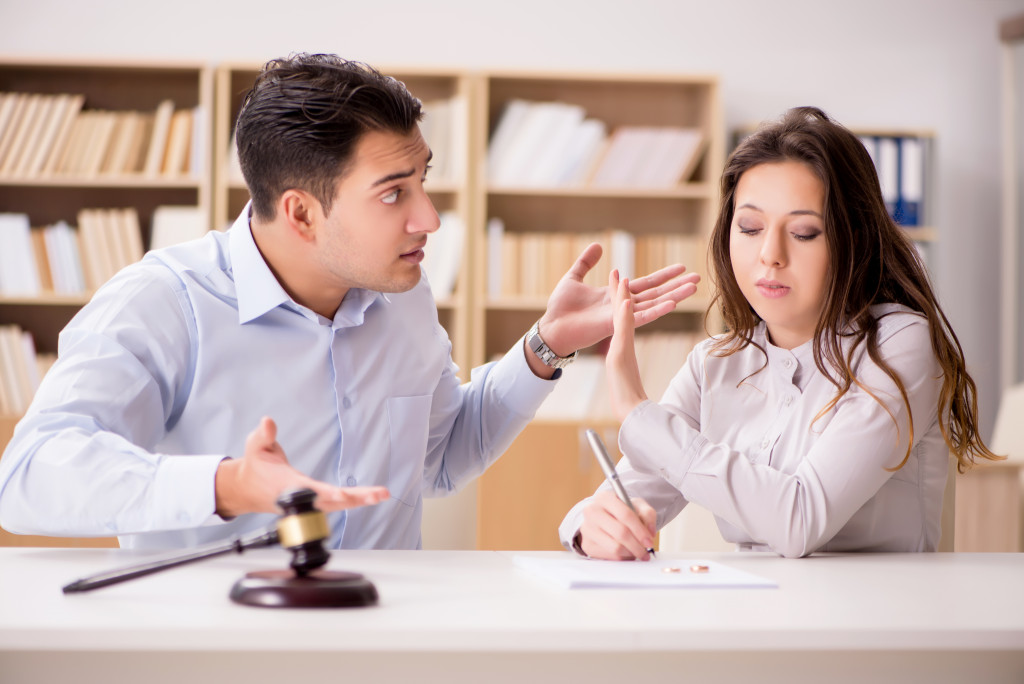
(871, 261)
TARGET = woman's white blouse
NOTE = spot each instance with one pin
(745, 437)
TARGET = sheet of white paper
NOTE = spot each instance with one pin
(580, 573)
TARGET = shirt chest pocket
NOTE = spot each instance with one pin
(408, 428)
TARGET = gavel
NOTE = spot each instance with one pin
(302, 531)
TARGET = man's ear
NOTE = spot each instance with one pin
(301, 212)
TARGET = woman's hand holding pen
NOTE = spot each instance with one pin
(253, 483)
(611, 531)
(624, 384)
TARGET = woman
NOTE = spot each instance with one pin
(823, 420)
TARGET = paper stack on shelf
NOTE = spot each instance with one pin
(543, 144)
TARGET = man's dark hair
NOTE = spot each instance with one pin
(299, 124)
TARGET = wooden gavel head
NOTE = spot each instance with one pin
(302, 530)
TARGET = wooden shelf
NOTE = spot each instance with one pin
(696, 191)
(48, 299)
(553, 451)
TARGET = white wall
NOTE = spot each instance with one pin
(870, 63)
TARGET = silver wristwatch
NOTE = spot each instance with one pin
(543, 351)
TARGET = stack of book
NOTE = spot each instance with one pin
(901, 162)
(554, 144)
(21, 369)
(45, 136)
(64, 260)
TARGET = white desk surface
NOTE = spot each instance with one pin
(471, 615)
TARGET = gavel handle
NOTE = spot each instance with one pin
(104, 579)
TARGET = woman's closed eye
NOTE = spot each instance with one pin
(806, 236)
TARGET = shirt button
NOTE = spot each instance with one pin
(765, 442)
(787, 401)
(788, 363)
(346, 403)
(351, 481)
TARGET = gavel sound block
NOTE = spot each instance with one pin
(302, 530)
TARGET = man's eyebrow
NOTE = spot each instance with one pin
(797, 212)
(399, 175)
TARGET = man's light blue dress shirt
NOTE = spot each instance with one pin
(173, 363)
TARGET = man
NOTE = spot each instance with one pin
(308, 319)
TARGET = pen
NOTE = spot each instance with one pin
(605, 461)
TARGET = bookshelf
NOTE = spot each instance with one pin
(480, 325)
(446, 99)
(549, 467)
(64, 157)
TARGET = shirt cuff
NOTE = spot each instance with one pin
(569, 530)
(184, 491)
(515, 383)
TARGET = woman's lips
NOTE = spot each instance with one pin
(771, 289)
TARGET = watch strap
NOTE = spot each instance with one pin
(543, 351)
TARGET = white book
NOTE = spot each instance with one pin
(508, 124)
(55, 257)
(547, 165)
(458, 137)
(675, 156)
(889, 172)
(531, 137)
(18, 275)
(495, 245)
(176, 224)
(443, 255)
(911, 180)
(72, 249)
(588, 140)
(200, 134)
(626, 147)
(435, 128)
(640, 170)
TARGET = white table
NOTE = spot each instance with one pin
(450, 616)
